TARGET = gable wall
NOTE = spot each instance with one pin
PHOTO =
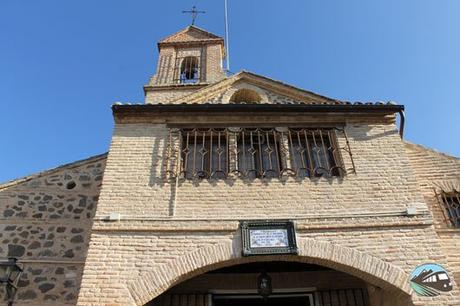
(281, 99)
(224, 94)
(47, 226)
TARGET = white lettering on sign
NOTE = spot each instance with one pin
(268, 238)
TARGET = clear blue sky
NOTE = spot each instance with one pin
(63, 63)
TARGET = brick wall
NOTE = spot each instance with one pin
(166, 94)
(380, 183)
(214, 69)
(161, 221)
(211, 70)
(434, 169)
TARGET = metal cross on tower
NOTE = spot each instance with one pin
(194, 13)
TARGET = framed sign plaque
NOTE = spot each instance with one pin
(268, 237)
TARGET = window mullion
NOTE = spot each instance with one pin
(212, 171)
(233, 151)
(285, 162)
(261, 162)
(277, 155)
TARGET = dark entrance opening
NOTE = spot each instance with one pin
(292, 284)
(280, 300)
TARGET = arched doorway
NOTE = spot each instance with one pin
(291, 284)
(387, 284)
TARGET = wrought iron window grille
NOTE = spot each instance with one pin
(450, 204)
(219, 153)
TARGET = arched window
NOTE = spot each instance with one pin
(189, 70)
(245, 95)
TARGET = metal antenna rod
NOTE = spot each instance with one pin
(226, 36)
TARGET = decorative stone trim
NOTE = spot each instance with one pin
(304, 224)
(256, 81)
(229, 93)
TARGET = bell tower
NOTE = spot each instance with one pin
(188, 61)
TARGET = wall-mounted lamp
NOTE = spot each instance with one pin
(264, 285)
(10, 273)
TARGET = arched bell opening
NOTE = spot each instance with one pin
(189, 70)
(275, 283)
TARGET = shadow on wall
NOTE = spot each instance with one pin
(367, 133)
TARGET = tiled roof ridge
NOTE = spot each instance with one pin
(265, 103)
(212, 35)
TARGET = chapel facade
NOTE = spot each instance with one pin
(238, 189)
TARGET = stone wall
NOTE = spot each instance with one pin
(162, 220)
(45, 222)
(434, 170)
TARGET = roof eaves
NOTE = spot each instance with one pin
(212, 37)
(210, 107)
